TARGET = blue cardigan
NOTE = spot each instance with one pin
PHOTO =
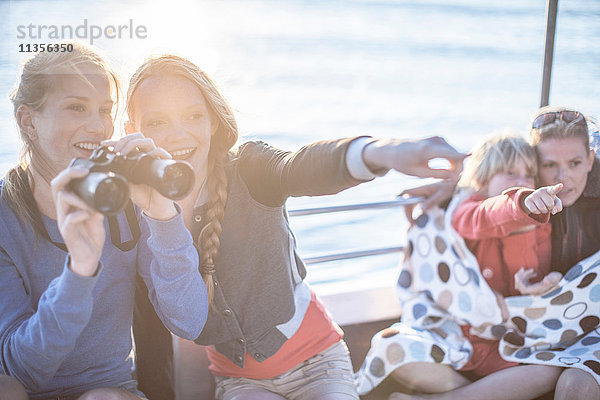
(62, 333)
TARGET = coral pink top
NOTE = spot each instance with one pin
(316, 333)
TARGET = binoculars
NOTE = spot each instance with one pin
(106, 187)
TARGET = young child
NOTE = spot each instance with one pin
(505, 225)
(501, 174)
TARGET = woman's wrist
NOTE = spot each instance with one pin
(86, 269)
(162, 213)
(375, 156)
(355, 161)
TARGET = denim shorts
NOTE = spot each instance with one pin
(325, 373)
(130, 386)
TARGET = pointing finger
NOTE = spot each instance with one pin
(552, 190)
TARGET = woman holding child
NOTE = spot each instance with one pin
(569, 172)
(560, 136)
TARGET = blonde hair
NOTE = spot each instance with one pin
(36, 82)
(221, 143)
(497, 153)
(559, 129)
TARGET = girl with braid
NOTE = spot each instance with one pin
(269, 336)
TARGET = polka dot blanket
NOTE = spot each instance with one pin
(440, 288)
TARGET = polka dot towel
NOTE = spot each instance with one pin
(440, 287)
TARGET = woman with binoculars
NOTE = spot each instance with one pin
(268, 335)
(67, 284)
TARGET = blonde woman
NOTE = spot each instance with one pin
(269, 335)
(66, 283)
(562, 141)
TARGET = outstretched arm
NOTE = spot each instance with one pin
(327, 167)
(495, 217)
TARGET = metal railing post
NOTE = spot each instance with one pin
(551, 12)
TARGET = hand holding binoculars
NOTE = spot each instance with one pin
(106, 187)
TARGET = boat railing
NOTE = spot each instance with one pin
(323, 258)
(358, 305)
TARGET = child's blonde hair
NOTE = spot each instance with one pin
(497, 153)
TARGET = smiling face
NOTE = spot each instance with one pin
(172, 111)
(518, 175)
(567, 161)
(75, 118)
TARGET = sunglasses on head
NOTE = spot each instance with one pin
(549, 117)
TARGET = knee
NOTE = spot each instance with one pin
(576, 384)
(10, 388)
(428, 377)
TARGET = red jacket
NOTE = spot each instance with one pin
(487, 225)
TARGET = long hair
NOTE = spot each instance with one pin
(37, 80)
(221, 143)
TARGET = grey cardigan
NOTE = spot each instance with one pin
(260, 296)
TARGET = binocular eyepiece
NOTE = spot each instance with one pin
(106, 187)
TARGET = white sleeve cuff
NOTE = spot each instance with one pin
(355, 163)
